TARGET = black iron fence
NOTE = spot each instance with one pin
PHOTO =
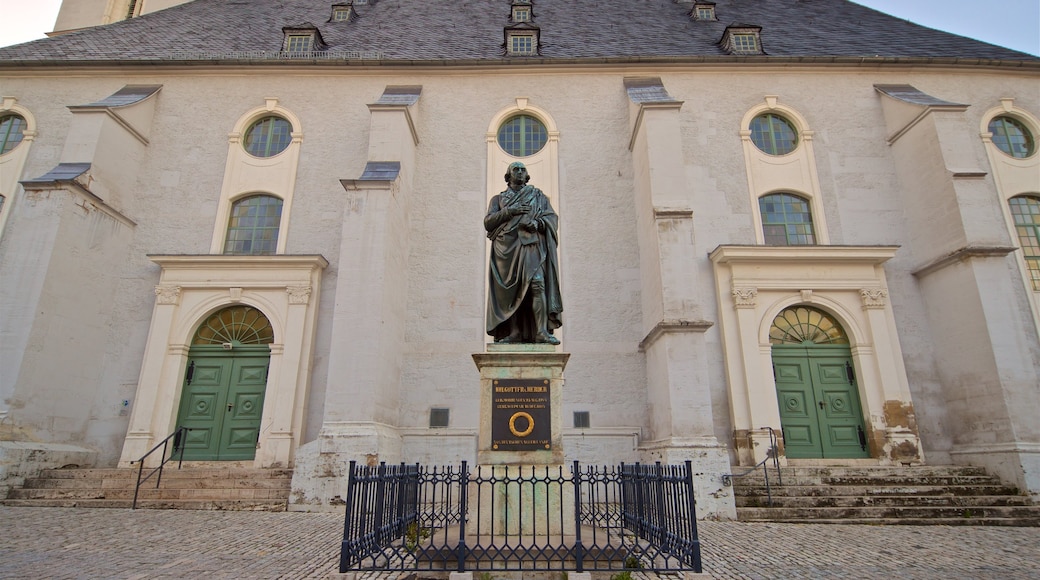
(520, 518)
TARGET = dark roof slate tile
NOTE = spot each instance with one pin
(472, 30)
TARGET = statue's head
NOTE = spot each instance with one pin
(517, 173)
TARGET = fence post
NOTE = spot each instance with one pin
(351, 494)
(695, 541)
(460, 550)
(579, 550)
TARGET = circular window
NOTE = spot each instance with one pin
(773, 134)
(1011, 137)
(268, 137)
(522, 135)
(11, 129)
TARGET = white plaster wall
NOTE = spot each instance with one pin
(176, 198)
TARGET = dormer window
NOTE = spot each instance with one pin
(522, 13)
(742, 40)
(341, 12)
(301, 40)
(704, 11)
(521, 38)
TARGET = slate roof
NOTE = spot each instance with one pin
(471, 31)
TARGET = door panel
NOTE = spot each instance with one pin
(241, 426)
(797, 407)
(201, 401)
(840, 414)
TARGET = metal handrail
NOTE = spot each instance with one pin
(178, 439)
(773, 453)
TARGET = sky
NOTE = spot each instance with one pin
(1010, 23)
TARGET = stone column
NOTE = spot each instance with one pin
(681, 423)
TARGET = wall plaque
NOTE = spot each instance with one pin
(520, 419)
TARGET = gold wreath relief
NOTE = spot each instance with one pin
(530, 424)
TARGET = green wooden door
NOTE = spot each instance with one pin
(221, 403)
(820, 410)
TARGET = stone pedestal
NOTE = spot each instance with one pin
(520, 438)
(517, 383)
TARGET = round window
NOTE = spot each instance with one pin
(11, 129)
(268, 137)
(522, 135)
(1012, 137)
(773, 134)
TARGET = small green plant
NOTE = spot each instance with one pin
(414, 534)
(626, 575)
(633, 563)
(484, 576)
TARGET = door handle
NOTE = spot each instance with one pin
(230, 405)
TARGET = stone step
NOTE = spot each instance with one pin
(892, 479)
(877, 471)
(884, 501)
(166, 482)
(170, 471)
(150, 493)
(871, 490)
(196, 487)
(914, 512)
(1029, 522)
(197, 504)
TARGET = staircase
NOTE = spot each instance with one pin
(190, 488)
(884, 495)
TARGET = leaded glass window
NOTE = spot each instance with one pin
(705, 12)
(521, 44)
(522, 135)
(235, 325)
(12, 128)
(786, 220)
(773, 134)
(1011, 137)
(806, 325)
(268, 137)
(253, 226)
(341, 13)
(1025, 210)
(521, 14)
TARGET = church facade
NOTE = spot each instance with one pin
(264, 221)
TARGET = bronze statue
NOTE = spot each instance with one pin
(524, 303)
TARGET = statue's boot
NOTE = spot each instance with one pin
(541, 317)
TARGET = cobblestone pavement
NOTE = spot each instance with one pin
(64, 543)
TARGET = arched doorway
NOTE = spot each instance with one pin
(224, 385)
(820, 409)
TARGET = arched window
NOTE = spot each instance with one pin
(522, 135)
(1025, 210)
(773, 134)
(806, 325)
(12, 128)
(786, 220)
(253, 225)
(236, 325)
(1012, 137)
(268, 137)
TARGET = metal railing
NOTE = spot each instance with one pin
(772, 454)
(520, 518)
(178, 440)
